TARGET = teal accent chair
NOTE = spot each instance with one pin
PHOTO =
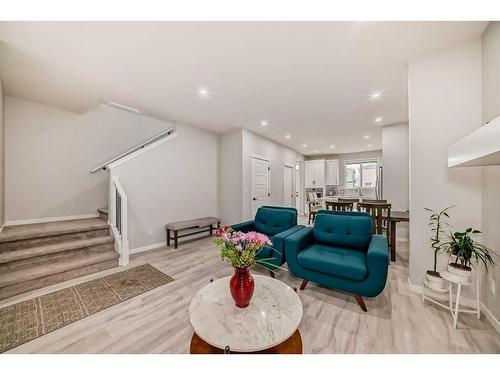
(277, 223)
(340, 252)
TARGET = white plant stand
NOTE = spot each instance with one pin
(453, 308)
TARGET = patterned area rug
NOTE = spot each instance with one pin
(25, 321)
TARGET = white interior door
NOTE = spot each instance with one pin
(288, 186)
(298, 188)
(261, 187)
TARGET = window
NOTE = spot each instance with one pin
(360, 174)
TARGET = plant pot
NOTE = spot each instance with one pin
(434, 280)
(241, 286)
(459, 272)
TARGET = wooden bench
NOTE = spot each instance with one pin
(190, 227)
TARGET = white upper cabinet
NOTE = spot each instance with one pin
(315, 173)
(332, 172)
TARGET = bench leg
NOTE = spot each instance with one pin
(176, 239)
(211, 230)
(168, 237)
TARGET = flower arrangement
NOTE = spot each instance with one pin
(240, 249)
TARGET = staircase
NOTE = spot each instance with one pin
(37, 255)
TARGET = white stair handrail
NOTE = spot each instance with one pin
(140, 146)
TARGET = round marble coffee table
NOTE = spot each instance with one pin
(273, 316)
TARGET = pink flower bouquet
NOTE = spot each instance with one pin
(240, 249)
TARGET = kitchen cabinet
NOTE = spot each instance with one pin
(332, 172)
(314, 173)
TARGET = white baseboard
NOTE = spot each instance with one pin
(491, 318)
(148, 247)
(49, 219)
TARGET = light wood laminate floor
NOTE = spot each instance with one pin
(157, 322)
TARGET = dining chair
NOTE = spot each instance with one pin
(374, 200)
(381, 217)
(339, 206)
(349, 200)
(314, 206)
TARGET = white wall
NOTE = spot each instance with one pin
(491, 175)
(395, 154)
(445, 105)
(254, 144)
(230, 176)
(2, 156)
(177, 180)
(49, 153)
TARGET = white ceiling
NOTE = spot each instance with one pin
(311, 80)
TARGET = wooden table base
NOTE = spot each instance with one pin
(291, 346)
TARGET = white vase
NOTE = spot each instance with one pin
(434, 281)
(460, 274)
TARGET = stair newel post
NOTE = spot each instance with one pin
(118, 215)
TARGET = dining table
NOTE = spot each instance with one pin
(396, 217)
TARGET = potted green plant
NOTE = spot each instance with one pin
(437, 225)
(466, 251)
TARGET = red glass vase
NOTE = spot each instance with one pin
(242, 286)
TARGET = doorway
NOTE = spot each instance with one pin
(288, 188)
(261, 183)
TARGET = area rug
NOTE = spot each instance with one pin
(27, 320)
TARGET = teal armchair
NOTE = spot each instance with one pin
(277, 223)
(340, 252)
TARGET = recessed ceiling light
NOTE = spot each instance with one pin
(376, 94)
(287, 136)
(304, 145)
(264, 123)
(369, 145)
(378, 119)
(203, 92)
(367, 136)
(332, 146)
(316, 151)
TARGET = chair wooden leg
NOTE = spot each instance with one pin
(303, 285)
(361, 303)
(272, 274)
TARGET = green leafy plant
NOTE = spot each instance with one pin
(438, 225)
(464, 248)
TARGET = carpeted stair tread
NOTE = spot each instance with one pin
(41, 250)
(22, 271)
(29, 231)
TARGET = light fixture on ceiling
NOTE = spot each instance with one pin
(367, 136)
(304, 145)
(264, 123)
(378, 119)
(123, 107)
(288, 136)
(369, 145)
(332, 146)
(316, 151)
(376, 94)
(203, 92)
